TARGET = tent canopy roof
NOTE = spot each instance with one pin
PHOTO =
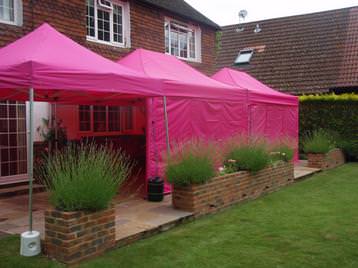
(59, 68)
(179, 78)
(257, 90)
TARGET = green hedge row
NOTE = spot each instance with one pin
(335, 113)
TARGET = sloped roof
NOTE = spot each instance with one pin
(298, 54)
(182, 8)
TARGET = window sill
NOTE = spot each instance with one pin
(119, 45)
(185, 59)
(9, 22)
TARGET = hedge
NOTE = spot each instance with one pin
(336, 113)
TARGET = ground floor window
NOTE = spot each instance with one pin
(103, 119)
(13, 154)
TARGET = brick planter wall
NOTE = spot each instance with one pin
(74, 236)
(227, 190)
(332, 159)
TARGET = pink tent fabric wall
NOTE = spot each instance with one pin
(197, 105)
(272, 114)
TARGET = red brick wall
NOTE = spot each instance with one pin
(223, 191)
(332, 159)
(74, 236)
(147, 28)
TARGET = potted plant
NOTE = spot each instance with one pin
(321, 149)
(82, 182)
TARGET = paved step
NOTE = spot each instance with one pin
(301, 172)
(19, 189)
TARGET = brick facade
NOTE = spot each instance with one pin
(69, 17)
(74, 236)
(332, 159)
(223, 191)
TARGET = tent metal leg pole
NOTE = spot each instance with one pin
(166, 124)
(30, 149)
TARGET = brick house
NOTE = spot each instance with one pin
(309, 53)
(111, 28)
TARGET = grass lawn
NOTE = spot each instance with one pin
(313, 223)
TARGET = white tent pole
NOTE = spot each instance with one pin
(30, 240)
(30, 150)
(166, 124)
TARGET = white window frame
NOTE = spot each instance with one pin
(18, 14)
(125, 24)
(197, 35)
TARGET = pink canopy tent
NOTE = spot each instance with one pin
(63, 71)
(47, 66)
(271, 113)
(197, 106)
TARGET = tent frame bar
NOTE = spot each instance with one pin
(166, 124)
(30, 153)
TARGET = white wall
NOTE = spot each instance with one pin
(41, 110)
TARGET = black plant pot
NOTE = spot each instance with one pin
(155, 189)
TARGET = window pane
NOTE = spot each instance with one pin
(114, 119)
(99, 118)
(183, 45)
(103, 25)
(192, 44)
(128, 117)
(7, 10)
(85, 117)
(90, 18)
(117, 24)
(174, 45)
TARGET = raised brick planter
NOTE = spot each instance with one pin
(227, 190)
(332, 159)
(74, 236)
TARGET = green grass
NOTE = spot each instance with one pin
(313, 223)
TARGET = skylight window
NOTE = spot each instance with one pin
(244, 56)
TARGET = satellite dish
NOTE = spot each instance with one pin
(243, 14)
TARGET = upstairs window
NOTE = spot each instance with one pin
(104, 119)
(108, 22)
(182, 40)
(11, 12)
(244, 57)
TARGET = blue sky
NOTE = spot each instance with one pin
(225, 12)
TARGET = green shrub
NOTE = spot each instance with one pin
(251, 156)
(318, 142)
(282, 151)
(349, 148)
(191, 163)
(85, 177)
(332, 112)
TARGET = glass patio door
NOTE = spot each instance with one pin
(13, 155)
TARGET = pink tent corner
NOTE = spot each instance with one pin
(273, 114)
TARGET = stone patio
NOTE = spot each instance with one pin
(134, 217)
